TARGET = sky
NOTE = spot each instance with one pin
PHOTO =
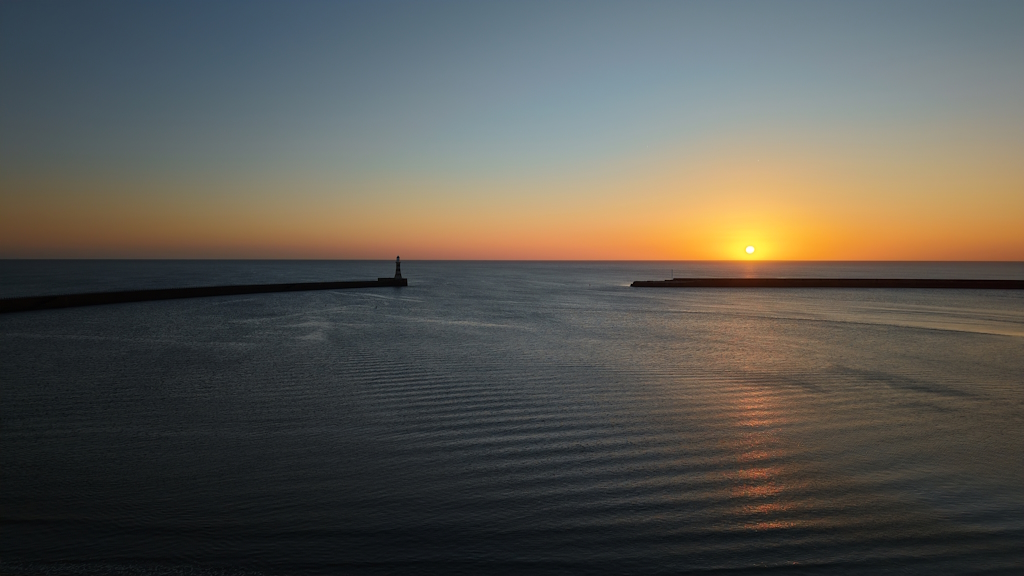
(818, 130)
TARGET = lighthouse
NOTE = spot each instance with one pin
(397, 280)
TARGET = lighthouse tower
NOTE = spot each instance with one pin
(398, 268)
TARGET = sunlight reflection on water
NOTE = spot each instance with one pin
(514, 418)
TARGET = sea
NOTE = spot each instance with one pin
(511, 418)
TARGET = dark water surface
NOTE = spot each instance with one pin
(511, 418)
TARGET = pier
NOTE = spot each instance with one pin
(920, 283)
(30, 303)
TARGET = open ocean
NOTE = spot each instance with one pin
(511, 418)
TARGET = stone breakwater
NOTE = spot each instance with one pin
(831, 283)
(30, 303)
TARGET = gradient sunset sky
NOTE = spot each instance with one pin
(817, 130)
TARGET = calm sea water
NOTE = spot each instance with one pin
(511, 418)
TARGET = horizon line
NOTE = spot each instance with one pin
(748, 261)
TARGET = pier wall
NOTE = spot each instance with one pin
(831, 283)
(30, 303)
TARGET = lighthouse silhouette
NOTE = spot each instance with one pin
(398, 267)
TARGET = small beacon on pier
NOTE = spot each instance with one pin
(398, 267)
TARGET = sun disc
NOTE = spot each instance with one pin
(750, 249)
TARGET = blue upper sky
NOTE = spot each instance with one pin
(485, 91)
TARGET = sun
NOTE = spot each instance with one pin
(750, 249)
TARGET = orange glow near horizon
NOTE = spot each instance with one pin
(501, 132)
(709, 207)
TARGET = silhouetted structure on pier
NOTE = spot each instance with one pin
(397, 280)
